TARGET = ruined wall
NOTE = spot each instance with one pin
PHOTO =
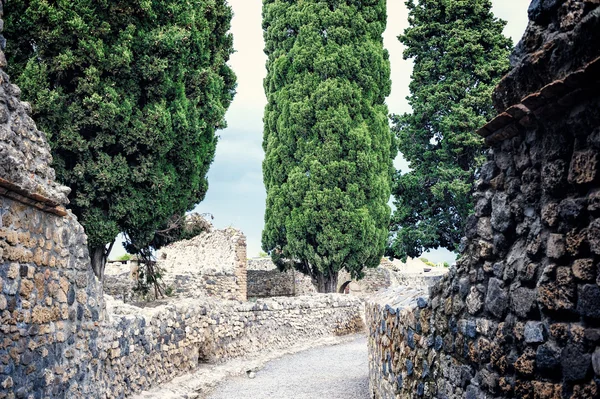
(141, 348)
(120, 280)
(50, 301)
(211, 264)
(265, 280)
(519, 316)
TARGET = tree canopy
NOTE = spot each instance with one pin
(329, 152)
(459, 55)
(129, 93)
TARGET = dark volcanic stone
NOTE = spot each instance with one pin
(589, 300)
(523, 301)
(496, 300)
(575, 363)
(501, 217)
(547, 357)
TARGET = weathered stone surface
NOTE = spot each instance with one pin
(535, 332)
(596, 361)
(584, 167)
(589, 300)
(523, 301)
(501, 216)
(575, 363)
(539, 271)
(584, 269)
(496, 301)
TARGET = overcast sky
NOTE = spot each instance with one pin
(236, 195)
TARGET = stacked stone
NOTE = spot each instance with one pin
(141, 348)
(211, 264)
(519, 316)
(272, 283)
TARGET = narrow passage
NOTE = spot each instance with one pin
(333, 372)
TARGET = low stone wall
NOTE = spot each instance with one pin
(399, 339)
(141, 348)
(211, 264)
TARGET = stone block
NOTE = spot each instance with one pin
(588, 303)
(535, 332)
(575, 363)
(584, 269)
(496, 301)
(523, 301)
(501, 219)
(555, 246)
(554, 176)
(584, 167)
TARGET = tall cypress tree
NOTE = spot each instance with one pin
(328, 162)
(130, 93)
(459, 55)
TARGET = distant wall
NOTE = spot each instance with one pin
(212, 264)
(120, 279)
(265, 280)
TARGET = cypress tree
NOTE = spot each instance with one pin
(328, 146)
(459, 55)
(130, 93)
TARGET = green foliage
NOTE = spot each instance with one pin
(329, 152)
(124, 257)
(130, 93)
(459, 55)
(427, 262)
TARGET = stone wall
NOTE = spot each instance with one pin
(265, 280)
(211, 264)
(141, 348)
(120, 279)
(50, 301)
(519, 315)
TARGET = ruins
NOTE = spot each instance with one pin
(517, 317)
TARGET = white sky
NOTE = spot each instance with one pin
(236, 195)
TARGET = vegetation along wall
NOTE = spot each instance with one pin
(519, 315)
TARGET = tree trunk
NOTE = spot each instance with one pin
(326, 283)
(98, 257)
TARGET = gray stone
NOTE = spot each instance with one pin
(575, 363)
(474, 301)
(535, 332)
(555, 247)
(496, 301)
(547, 357)
(589, 300)
(501, 216)
(523, 301)
(596, 361)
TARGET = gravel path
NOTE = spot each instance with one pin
(333, 372)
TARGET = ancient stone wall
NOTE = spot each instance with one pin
(265, 280)
(50, 301)
(519, 315)
(140, 348)
(120, 280)
(211, 264)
